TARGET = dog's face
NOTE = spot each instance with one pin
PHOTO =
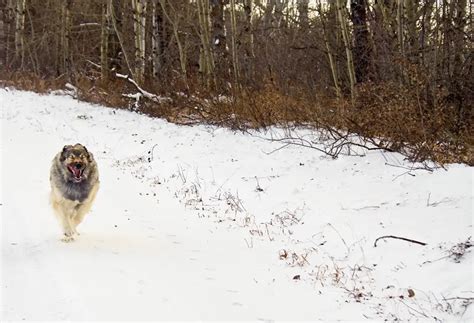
(76, 160)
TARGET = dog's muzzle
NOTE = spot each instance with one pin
(77, 170)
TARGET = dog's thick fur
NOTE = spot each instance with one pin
(74, 184)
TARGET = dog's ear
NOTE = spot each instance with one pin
(62, 157)
(89, 155)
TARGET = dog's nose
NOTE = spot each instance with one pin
(78, 165)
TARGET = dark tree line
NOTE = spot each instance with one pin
(326, 47)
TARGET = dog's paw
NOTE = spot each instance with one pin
(67, 238)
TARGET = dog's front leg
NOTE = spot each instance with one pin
(68, 230)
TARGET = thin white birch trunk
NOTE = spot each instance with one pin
(332, 64)
(207, 52)
(341, 9)
(139, 24)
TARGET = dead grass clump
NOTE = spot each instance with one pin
(28, 81)
(412, 125)
(260, 109)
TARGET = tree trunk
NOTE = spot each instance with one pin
(329, 50)
(458, 91)
(425, 32)
(218, 36)
(341, 10)
(174, 24)
(104, 40)
(401, 38)
(139, 25)
(248, 40)
(116, 18)
(20, 30)
(207, 52)
(303, 7)
(411, 22)
(66, 57)
(361, 40)
(279, 6)
(268, 14)
(6, 27)
(235, 57)
(157, 39)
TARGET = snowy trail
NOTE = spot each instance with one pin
(136, 259)
(189, 224)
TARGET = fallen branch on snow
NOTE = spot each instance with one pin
(144, 93)
(400, 238)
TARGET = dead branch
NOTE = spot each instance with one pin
(331, 141)
(144, 93)
(400, 238)
(303, 143)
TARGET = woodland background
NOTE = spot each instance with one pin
(398, 73)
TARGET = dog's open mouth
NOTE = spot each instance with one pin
(77, 171)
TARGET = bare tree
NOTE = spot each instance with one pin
(173, 19)
(303, 16)
(104, 39)
(139, 27)
(361, 39)
(207, 53)
(219, 36)
(341, 12)
(20, 30)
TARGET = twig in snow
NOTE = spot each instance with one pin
(268, 232)
(258, 188)
(277, 149)
(413, 309)
(404, 173)
(400, 238)
(434, 204)
(344, 241)
(425, 167)
(249, 245)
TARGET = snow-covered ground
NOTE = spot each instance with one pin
(201, 223)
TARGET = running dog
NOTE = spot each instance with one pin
(74, 181)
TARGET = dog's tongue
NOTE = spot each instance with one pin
(76, 172)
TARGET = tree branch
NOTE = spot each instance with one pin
(400, 238)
